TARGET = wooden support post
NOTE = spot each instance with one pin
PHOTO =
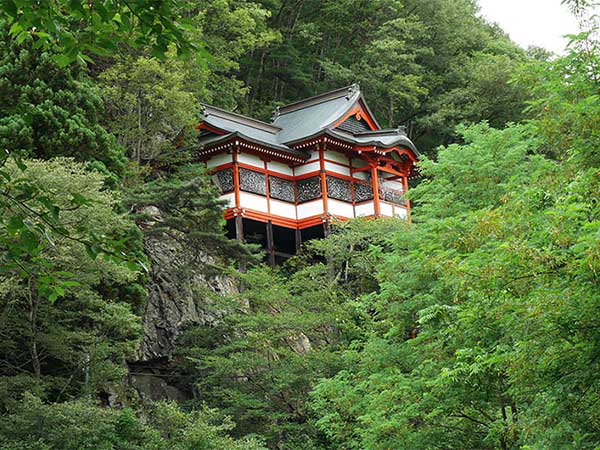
(298, 234)
(326, 228)
(236, 176)
(270, 244)
(375, 183)
(239, 235)
(405, 185)
(323, 178)
(239, 228)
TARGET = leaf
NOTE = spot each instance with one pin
(19, 162)
(15, 225)
(28, 241)
(52, 208)
(62, 60)
(15, 28)
(79, 200)
(93, 250)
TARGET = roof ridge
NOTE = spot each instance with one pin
(346, 91)
(400, 131)
(239, 118)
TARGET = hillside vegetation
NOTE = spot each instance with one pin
(475, 326)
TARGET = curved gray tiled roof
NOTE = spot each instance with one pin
(301, 121)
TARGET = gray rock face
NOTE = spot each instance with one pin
(180, 295)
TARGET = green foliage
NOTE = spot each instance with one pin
(78, 343)
(487, 316)
(82, 425)
(152, 104)
(427, 65)
(476, 326)
(149, 108)
(75, 29)
(232, 30)
(48, 111)
(283, 333)
(188, 209)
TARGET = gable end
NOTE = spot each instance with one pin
(354, 125)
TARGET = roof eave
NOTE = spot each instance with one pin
(403, 140)
(209, 110)
(237, 135)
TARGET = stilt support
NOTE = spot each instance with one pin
(270, 244)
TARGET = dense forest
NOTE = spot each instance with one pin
(474, 326)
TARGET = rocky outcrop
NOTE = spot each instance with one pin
(181, 295)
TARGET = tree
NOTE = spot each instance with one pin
(76, 29)
(283, 333)
(486, 316)
(78, 344)
(57, 115)
(188, 209)
(79, 425)
(150, 109)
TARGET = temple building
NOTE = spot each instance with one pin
(320, 159)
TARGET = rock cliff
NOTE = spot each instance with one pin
(181, 295)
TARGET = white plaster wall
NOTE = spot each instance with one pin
(358, 163)
(252, 201)
(219, 160)
(336, 168)
(307, 168)
(386, 209)
(280, 168)
(365, 209)
(230, 198)
(283, 209)
(361, 175)
(341, 209)
(309, 209)
(314, 154)
(251, 160)
(395, 185)
(337, 156)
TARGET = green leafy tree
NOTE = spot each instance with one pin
(186, 207)
(79, 425)
(149, 108)
(485, 323)
(79, 343)
(77, 29)
(284, 332)
(48, 111)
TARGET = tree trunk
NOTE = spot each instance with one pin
(33, 309)
(138, 157)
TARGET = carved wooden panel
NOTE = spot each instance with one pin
(339, 189)
(282, 189)
(309, 189)
(392, 196)
(363, 192)
(224, 180)
(254, 182)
